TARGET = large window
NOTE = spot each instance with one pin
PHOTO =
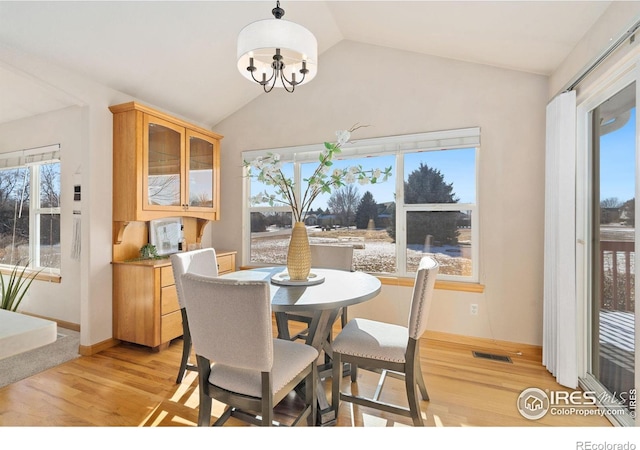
(30, 209)
(427, 207)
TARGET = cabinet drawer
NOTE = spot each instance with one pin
(169, 300)
(166, 276)
(226, 263)
(170, 326)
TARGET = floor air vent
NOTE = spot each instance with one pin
(492, 357)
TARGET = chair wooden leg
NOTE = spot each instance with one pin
(335, 383)
(267, 400)
(354, 372)
(204, 411)
(311, 396)
(186, 347)
(413, 377)
(204, 407)
(267, 417)
(412, 397)
(186, 351)
(421, 384)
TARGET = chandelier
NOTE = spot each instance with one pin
(284, 54)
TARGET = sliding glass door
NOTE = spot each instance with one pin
(612, 303)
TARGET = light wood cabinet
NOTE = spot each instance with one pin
(145, 301)
(163, 166)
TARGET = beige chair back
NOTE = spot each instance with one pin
(338, 257)
(422, 296)
(230, 321)
(201, 261)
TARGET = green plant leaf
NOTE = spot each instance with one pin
(15, 288)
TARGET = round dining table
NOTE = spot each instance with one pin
(327, 292)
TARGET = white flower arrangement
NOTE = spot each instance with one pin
(267, 170)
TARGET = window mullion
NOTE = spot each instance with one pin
(34, 217)
(401, 218)
(297, 181)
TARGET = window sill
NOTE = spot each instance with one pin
(475, 288)
(42, 276)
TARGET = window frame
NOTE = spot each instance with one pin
(398, 146)
(32, 160)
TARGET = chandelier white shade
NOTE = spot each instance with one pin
(277, 53)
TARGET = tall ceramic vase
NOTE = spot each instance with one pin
(299, 254)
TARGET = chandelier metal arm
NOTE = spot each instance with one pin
(286, 82)
(262, 82)
(293, 82)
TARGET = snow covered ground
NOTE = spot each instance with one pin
(374, 250)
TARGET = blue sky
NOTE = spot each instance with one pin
(618, 163)
(457, 166)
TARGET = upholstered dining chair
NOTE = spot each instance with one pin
(325, 256)
(203, 262)
(388, 349)
(231, 325)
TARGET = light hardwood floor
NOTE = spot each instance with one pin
(129, 385)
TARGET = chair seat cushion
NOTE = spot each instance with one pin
(289, 359)
(371, 339)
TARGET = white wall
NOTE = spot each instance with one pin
(60, 301)
(85, 132)
(398, 92)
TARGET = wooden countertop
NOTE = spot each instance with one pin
(165, 261)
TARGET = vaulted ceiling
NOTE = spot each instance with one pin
(181, 56)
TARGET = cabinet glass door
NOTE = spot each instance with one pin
(201, 164)
(163, 160)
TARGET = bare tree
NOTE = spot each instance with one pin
(13, 186)
(50, 185)
(611, 202)
(343, 203)
(610, 210)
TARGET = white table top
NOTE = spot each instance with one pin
(339, 289)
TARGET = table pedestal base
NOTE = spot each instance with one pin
(318, 338)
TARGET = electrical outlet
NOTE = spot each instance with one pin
(474, 309)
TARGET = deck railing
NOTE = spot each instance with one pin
(617, 277)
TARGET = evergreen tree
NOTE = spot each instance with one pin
(427, 185)
(367, 210)
(391, 229)
(258, 222)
